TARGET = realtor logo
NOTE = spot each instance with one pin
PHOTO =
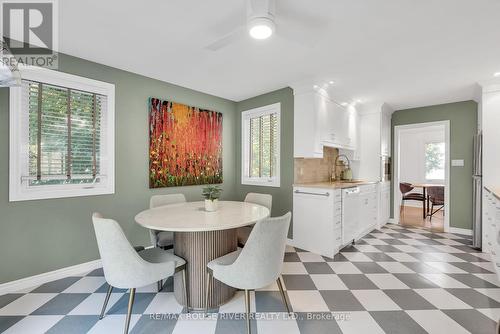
(30, 31)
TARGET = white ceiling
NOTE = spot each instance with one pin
(404, 52)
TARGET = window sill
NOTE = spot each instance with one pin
(48, 193)
(261, 183)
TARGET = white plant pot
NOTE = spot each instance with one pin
(211, 205)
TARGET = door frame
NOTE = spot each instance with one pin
(397, 133)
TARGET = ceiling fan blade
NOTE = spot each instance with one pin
(9, 71)
(228, 39)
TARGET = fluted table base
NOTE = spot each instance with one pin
(199, 248)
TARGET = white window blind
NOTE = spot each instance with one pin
(62, 136)
(260, 146)
(64, 133)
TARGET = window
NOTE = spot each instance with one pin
(261, 146)
(434, 161)
(61, 136)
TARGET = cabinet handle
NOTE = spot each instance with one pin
(308, 193)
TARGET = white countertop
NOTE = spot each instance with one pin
(495, 191)
(333, 185)
(192, 217)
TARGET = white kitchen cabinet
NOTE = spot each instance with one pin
(325, 219)
(385, 134)
(317, 225)
(489, 119)
(375, 142)
(320, 121)
(491, 227)
(384, 206)
(309, 122)
(368, 209)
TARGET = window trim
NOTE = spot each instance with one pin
(245, 146)
(425, 161)
(18, 150)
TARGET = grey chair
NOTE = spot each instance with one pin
(256, 198)
(125, 268)
(256, 265)
(164, 239)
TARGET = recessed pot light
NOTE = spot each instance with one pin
(331, 82)
(497, 74)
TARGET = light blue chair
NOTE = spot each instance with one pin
(256, 265)
(125, 268)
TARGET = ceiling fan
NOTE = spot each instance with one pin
(262, 22)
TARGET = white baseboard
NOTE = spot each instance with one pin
(289, 242)
(392, 221)
(464, 231)
(33, 281)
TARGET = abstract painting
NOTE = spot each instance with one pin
(185, 145)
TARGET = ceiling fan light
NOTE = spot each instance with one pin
(261, 28)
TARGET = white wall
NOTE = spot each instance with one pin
(412, 155)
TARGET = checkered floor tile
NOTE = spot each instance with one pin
(394, 280)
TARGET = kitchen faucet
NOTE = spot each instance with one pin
(333, 177)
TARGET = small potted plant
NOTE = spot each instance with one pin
(211, 195)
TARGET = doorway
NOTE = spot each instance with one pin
(421, 175)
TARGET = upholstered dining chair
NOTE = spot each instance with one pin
(125, 268)
(164, 239)
(436, 197)
(256, 265)
(255, 198)
(407, 195)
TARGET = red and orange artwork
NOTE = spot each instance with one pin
(185, 145)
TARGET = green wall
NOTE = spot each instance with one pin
(44, 235)
(282, 196)
(463, 126)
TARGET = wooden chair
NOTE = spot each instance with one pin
(407, 195)
(436, 197)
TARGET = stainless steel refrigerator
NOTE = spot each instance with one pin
(477, 178)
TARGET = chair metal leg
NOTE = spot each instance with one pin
(207, 290)
(247, 309)
(283, 296)
(402, 210)
(184, 283)
(106, 300)
(129, 310)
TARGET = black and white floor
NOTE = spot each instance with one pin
(395, 280)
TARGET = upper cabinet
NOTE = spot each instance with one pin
(375, 141)
(319, 121)
(385, 135)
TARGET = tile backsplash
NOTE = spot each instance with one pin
(308, 170)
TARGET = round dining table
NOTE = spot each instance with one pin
(424, 186)
(199, 237)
